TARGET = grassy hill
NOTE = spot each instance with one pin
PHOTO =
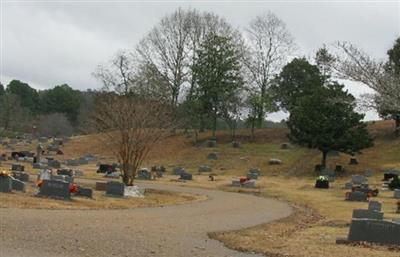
(181, 150)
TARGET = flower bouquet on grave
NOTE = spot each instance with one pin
(73, 188)
(322, 182)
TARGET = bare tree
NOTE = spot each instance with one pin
(130, 113)
(270, 44)
(354, 64)
(130, 126)
(55, 125)
(164, 48)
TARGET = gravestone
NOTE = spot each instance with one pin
(65, 172)
(100, 186)
(374, 206)
(73, 162)
(236, 144)
(186, 176)
(322, 183)
(286, 146)
(255, 170)
(368, 173)
(17, 167)
(251, 175)
(212, 156)
(353, 161)
(20, 175)
(204, 168)
(5, 183)
(367, 214)
(39, 166)
(348, 185)
(211, 143)
(67, 179)
(357, 196)
(274, 162)
(390, 175)
(178, 170)
(236, 183)
(86, 192)
(339, 169)
(358, 179)
(144, 174)
(54, 164)
(249, 184)
(44, 175)
(18, 185)
(114, 188)
(397, 193)
(106, 168)
(376, 231)
(55, 188)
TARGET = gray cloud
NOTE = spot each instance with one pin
(62, 42)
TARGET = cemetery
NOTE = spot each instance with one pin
(135, 129)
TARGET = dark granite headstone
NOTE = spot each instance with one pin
(144, 174)
(322, 184)
(374, 206)
(115, 188)
(54, 164)
(65, 172)
(357, 196)
(18, 185)
(55, 188)
(186, 176)
(178, 170)
(367, 214)
(376, 231)
(353, 161)
(212, 156)
(5, 184)
(204, 168)
(396, 193)
(86, 192)
(20, 175)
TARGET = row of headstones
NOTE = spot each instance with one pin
(369, 226)
(80, 161)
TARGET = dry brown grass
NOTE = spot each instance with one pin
(320, 216)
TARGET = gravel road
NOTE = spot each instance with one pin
(169, 231)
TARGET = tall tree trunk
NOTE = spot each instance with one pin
(252, 130)
(215, 124)
(397, 126)
(323, 162)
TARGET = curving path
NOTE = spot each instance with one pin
(170, 231)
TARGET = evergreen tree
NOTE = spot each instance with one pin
(217, 72)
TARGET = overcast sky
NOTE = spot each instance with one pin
(47, 43)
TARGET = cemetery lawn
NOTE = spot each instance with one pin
(319, 217)
(153, 198)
